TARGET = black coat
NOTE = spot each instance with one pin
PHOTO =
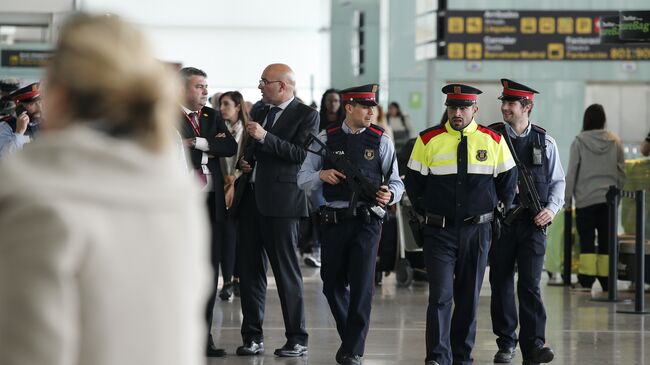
(211, 124)
(278, 159)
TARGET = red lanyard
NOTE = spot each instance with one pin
(194, 123)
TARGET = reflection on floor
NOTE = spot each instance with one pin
(580, 331)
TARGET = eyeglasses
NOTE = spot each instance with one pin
(264, 82)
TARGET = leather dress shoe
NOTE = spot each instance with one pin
(539, 355)
(504, 355)
(289, 350)
(352, 360)
(211, 349)
(251, 348)
(431, 362)
(340, 355)
(226, 291)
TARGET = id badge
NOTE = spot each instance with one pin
(205, 170)
(537, 156)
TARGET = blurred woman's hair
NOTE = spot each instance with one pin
(594, 117)
(399, 114)
(340, 113)
(109, 74)
(238, 99)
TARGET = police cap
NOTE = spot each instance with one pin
(26, 94)
(515, 91)
(460, 95)
(365, 95)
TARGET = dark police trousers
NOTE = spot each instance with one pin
(455, 258)
(261, 237)
(524, 245)
(348, 256)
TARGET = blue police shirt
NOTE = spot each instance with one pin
(10, 142)
(309, 178)
(556, 188)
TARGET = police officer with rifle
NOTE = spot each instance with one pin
(523, 237)
(353, 164)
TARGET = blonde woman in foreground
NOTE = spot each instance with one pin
(103, 252)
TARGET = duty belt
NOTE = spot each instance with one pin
(335, 215)
(440, 221)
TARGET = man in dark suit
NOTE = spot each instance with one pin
(207, 138)
(271, 207)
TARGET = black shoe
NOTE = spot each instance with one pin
(539, 355)
(226, 291)
(235, 288)
(212, 351)
(340, 355)
(289, 350)
(352, 360)
(431, 362)
(504, 356)
(251, 348)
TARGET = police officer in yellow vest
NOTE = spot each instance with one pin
(457, 173)
(524, 242)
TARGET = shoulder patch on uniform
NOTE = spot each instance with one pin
(376, 129)
(538, 128)
(494, 134)
(333, 130)
(497, 126)
(429, 133)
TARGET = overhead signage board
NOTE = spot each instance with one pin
(24, 58)
(533, 35)
(635, 25)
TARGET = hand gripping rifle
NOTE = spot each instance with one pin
(360, 186)
(528, 195)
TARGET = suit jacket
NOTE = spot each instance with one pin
(210, 125)
(278, 160)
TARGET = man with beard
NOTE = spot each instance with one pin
(457, 173)
(16, 131)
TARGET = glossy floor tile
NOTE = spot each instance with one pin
(580, 331)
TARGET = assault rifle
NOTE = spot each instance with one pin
(360, 186)
(528, 195)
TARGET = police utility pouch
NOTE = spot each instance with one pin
(537, 156)
(416, 225)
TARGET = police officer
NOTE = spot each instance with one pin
(524, 241)
(28, 103)
(457, 173)
(350, 238)
(19, 129)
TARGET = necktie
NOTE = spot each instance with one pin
(194, 120)
(270, 117)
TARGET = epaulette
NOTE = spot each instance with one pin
(498, 126)
(538, 128)
(429, 133)
(496, 136)
(334, 129)
(376, 129)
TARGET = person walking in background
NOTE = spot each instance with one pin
(103, 249)
(331, 110)
(400, 123)
(596, 162)
(645, 146)
(207, 138)
(233, 110)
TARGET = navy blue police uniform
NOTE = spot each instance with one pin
(455, 178)
(350, 239)
(524, 243)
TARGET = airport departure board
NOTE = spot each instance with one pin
(534, 35)
(24, 58)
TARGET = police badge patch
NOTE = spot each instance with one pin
(481, 155)
(369, 154)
